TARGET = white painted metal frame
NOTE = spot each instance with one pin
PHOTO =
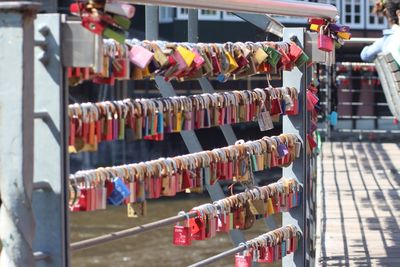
(276, 7)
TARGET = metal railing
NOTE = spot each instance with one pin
(51, 132)
(362, 108)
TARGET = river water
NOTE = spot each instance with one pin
(149, 249)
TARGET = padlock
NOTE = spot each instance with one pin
(182, 234)
(140, 56)
(318, 21)
(325, 42)
(198, 228)
(311, 141)
(344, 35)
(283, 248)
(82, 201)
(119, 193)
(121, 9)
(269, 207)
(277, 202)
(269, 254)
(278, 251)
(238, 218)
(262, 254)
(294, 52)
(315, 27)
(243, 259)
(93, 24)
(213, 224)
(224, 223)
(335, 27)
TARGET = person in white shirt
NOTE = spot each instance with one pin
(390, 42)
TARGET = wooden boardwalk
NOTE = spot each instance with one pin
(359, 208)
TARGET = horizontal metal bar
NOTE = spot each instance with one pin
(365, 76)
(219, 256)
(382, 104)
(39, 256)
(368, 131)
(43, 185)
(346, 63)
(275, 7)
(20, 6)
(129, 232)
(42, 44)
(368, 117)
(361, 40)
(375, 91)
(361, 90)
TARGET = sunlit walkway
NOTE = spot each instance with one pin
(360, 204)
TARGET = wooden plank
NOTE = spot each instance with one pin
(360, 209)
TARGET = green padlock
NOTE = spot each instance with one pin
(337, 45)
(273, 56)
(123, 22)
(114, 34)
(303, 59)
(254, 163)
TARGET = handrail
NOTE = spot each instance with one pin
(361, 40)
(130, 232)
(230, 252)
(240, 197)
(275, 7)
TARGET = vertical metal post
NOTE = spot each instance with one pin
(193, 26)
(17, 225)
(298, 125)
(328, 98)
(50, 153)
(151, 26)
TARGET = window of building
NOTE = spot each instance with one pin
(209, 15)
(353, 11)
(182, 13)
(166, 14)
(229, 16)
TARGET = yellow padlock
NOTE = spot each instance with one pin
(315, 27)
(186, 54)
(344, 35)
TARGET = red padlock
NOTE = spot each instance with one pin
(277, 203)
(198, 228)
(93, 24)
(223, 223)
(269, 254)
(317, 21)
(213, 223)
(158, 187)
(274, 159)
(182, 234)
(278, 251)
(243, 259)
(186, 181)
(294, 52)
(311, 141)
